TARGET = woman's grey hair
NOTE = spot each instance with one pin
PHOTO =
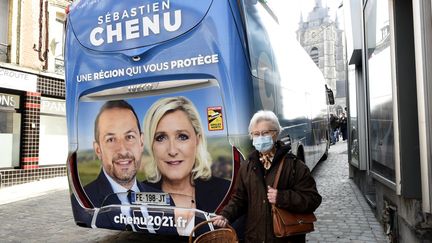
(265, 115)
(202, 166)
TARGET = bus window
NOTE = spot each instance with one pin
(283, 75)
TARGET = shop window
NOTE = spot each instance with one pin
(10, 130)
(353, 118)
(57, 43)
(381, 135)
(53, 144)
(9, 139)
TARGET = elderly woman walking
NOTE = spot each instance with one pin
(296, 191)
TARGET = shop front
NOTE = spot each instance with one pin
(13, 87)
(33, 139)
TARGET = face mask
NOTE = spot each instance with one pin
(263, 143)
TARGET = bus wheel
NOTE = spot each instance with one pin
(325, 155)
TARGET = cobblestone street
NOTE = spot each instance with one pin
(344, 215)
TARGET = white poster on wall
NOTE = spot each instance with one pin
(53, 142)
(8, 150)
(12, 79)
(6, 143)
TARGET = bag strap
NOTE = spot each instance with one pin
(279, 172)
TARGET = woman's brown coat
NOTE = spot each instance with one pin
(297, 192)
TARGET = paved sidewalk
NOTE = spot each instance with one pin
(344, 215)
(32, 189)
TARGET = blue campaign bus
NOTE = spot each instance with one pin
(226, 59)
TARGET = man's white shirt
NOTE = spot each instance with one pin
(122, 194)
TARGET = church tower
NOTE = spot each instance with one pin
(322, 39)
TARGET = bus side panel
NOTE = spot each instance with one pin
(287, 81)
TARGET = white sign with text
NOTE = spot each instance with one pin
(11, 79)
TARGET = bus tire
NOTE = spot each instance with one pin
(325, 155)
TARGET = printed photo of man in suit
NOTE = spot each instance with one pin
(118, 144)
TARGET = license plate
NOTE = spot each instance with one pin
(158, 198)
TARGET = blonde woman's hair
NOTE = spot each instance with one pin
(202, 165)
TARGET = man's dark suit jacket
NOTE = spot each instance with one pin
(101, 194)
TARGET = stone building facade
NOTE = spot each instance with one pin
(33, 136)
(322, 38)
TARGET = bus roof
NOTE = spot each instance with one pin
(113, 25)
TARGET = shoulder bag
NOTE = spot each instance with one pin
(286, 223)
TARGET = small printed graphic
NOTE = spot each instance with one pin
(215, 119)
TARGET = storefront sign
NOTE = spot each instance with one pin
(53, 106)
(17, 80)
(8, 100)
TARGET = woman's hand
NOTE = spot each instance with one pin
(271, 194)
(219, 221)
